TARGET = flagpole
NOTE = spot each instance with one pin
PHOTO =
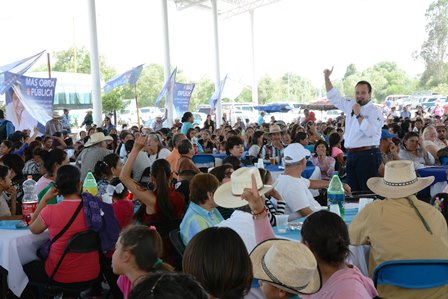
(48, 65)
(136, 104)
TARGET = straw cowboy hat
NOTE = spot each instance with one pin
(274, 129)
(399, 180)
(286, 264)
(56, 115)
(228, 195)
(97, 138)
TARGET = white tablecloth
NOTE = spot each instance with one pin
(17, 248)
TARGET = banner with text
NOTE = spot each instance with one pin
(181, 98)
(29, 102)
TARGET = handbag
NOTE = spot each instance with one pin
(44, 250)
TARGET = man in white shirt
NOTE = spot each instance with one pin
(363, 123)
(293, 188)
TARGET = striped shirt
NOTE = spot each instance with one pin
(280, 210)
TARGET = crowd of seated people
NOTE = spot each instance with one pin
(155, 188)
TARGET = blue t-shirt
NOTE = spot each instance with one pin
(185, 127)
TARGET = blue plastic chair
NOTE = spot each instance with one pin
(412, 274)
(444, 160)
(204, 161)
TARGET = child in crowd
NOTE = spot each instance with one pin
(162, 285)
(123, 208)
(137, 253)
(440, 202)
(6, 186)
(5, 147)
(279, 208)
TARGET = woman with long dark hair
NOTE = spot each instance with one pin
(257, 147)
(161, 201)
(187, 122)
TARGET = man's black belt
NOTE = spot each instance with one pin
(360, 149)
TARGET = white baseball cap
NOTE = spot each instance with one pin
(293, 153)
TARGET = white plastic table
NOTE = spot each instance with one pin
(17, 248)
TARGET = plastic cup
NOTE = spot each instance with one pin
(272, 160)
(282, 223)
(363, 202)
(335, 209)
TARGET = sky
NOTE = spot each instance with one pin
(297, 36)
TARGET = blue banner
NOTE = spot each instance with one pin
(29, 101)
(166, 87)
(181, 97)
(129, 77)
(217, 94)
(18, 67)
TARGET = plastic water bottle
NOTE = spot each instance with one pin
(29, 200)
(90, 184)
(336, 194)
(195, 148)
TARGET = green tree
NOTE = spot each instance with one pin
(150, 84)
(351, 70)
(114, 99)
(76, 60)
(245, 95)
(385, 77)
(202, 92)
(267, 90)
(295, 88)
(434, 48)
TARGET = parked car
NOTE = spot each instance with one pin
(127, 116)
(430, 101)
(150, 113)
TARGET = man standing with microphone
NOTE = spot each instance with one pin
(363, 124)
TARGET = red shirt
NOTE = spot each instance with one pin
(124, 210)
(177, 202)
(76, 267)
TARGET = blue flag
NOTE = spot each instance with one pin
(129, 77)
(217, 94)
(29, 101)
(169, 84)
(17, 68)
(181, 97)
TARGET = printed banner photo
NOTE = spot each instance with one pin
(29, 102)
(181, 98)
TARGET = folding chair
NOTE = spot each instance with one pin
(204, 161)
(177, 242)
(412, 274)
(82, 242)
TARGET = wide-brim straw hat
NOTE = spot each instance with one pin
(286, 264)
(97, 138)
(400, 180)
(56, 114)
(275, 129)
(228, 195)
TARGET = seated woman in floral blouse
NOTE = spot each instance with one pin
(322, 160)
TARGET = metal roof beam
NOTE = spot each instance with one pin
(247, 6)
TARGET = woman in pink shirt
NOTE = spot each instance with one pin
(75, 268)
(326, 235)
